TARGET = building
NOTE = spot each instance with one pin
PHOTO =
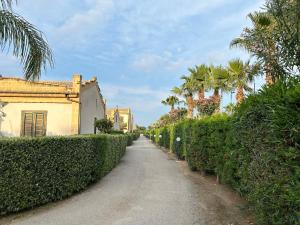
(114, 116)
(49, 107)
(126, 118)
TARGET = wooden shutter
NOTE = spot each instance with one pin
(34, 123)
(39, 130)
(28, 124)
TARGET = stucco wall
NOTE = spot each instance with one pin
(91, 107)
(59, 117)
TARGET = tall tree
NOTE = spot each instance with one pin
(187, 89)
(171, 101)
(241, 75)
(286, 14)
(27, 41)
(218, 80)
(199, 75)
(260, 42)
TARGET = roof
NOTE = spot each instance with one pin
(125, 110)
(18, 85)
(16, 89)
(111, 112)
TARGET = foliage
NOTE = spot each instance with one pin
(104, 125)
(241, 75)
(187, 89)
(274, 38)
(35, 171)
(266, 128)
(141, 128)
(171, 101)
(172, 117)
(132, 137)
(287, 30)
(28, 42)
(116, 132)
(207, 106)
(230, 108)
(256, 150)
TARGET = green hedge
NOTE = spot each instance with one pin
(132, 137)
(265, 133)
(256, 151)
(35, 171)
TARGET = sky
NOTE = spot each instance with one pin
(138, 50)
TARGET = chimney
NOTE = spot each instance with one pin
(76, 79)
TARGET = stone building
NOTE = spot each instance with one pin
(114, 116)
(126, 119)
(49, 107)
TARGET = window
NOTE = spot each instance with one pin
(34, 123)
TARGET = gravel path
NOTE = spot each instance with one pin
(148, 187)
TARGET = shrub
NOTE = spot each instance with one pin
(116, 132)
(256, 150)
(206, 152)
(104, 125)
(266, 127)
(35, 171)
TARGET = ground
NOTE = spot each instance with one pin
(148, 187)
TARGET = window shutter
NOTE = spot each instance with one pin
(39, 124)
(28, 124)
(34, 123)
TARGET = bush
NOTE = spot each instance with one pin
(256, 151)
(35, 171)
(266, 127)
(207, 144)
(104, 125)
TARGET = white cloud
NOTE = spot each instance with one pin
(148, 62)
(79, 27)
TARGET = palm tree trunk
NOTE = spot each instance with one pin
(240, 96)
(190, 102)
(201, 95)
(269, 77)
(172, 108)
(216, 97)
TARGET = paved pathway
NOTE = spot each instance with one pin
(148, 187)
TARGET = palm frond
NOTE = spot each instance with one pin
(260, 18)
(6, 4)
(176, 90)
(27, 43)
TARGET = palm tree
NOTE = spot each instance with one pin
(240, 75)
(260, 42)
(187, 90)
(171, 101)
(28, 42)
(199, 75)
(218, 80)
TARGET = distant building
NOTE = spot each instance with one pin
(49, 107)
(126, 119)
(114, 116)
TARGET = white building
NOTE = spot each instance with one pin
(49, 107)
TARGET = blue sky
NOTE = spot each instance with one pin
(137, 49)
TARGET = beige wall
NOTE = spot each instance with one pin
(89, 109)
(125, 120)
(59, 117)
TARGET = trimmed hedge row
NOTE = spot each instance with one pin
(35, 171)
(256, 151)
(132, 137)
